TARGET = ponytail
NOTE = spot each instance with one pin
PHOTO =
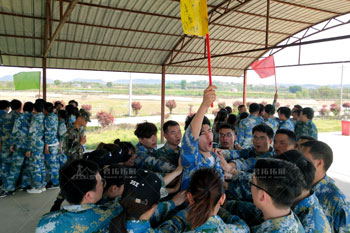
(117, 224)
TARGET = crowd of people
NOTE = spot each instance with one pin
(253, 172)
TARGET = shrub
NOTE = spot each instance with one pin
(104, 118)
(87, 107)
(136, 107)
(346, 105)
(335, 109)
(171, 104)
(324, 111)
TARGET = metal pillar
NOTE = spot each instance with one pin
(245, 87)
(162, 104)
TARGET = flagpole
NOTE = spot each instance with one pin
(209, 63)
(275, 82)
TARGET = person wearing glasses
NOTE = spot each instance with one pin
(226, 137)
(82, 186)
(275, 185)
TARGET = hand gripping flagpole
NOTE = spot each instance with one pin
(209, 63)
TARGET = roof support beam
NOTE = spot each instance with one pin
(269, 48)
(67, 13)
(46, 32)
(267, 23)
(306, 7)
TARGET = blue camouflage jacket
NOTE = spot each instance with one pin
(306, 129)
(19, 135)
(2, 115)
(78, 218)
(192, 160)
(146, 159)
(36, 132)
(310, 214)
(51, 128)
(286, 224)
(71, 120)
(8, 120)
(334, 204)
(62, 129)
(273, 123)
(245, 159)
(288, 124)
(245, 134)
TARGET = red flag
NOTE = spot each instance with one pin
(265, 67)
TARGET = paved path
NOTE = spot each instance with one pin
(20, 213)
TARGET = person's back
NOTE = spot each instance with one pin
(305, 126)
(285, 122)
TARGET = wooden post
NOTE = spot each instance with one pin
(245, 88)
(44, 78)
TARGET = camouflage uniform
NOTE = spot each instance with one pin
(273, 123)
(51, 128)
(61, 134)
(8, 120)
(3, 114)
(306, 129)
(239, 188)
(192, 160)
(71, 120)
(288, 124)
(334, 204)
(310, 214)
(245, 134)
(19, 140)
(245, 159)
(78, 218)
(168, 154)
(146, 159)
(286, 224)
(36, 147)
(247, 211)
(72, 147)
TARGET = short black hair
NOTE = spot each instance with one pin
(63, 114)
(263, 128)
(309, 138)
(297, 106)
(304, 164)
(232, 118)
(241, 106)
(254, 107)
(281, 179)
(270, 109)
(285, 111)
(261, 108)
(225, 126)
(4, 104)
(28, 107)
(320, 150)
(243, 115)
(38, 106)
(297, 112)
(145, 130)
(309, 112)
(228, 109)
(169, 124)
(57, 103)
(15, 104)
(114, 175)
(292, 138)
(221, 116)
(77, 178)
(73, 101)
(189, 119)
(48, 107)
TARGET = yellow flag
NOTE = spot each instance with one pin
(194, 17)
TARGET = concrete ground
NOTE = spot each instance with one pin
(21, 212)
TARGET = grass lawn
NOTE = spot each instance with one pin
(126, 132)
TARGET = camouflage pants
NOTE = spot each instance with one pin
(62, 159)
(37, 169)
(52, 163)
(19, 162)
(6, 157)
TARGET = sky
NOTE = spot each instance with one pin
(320, 74)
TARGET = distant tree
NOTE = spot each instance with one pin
(294, 89)
(104, 118)
(109, 84)
(171, 104)
(183, 84)
(57, 82)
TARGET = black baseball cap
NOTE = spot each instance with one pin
(144, 188)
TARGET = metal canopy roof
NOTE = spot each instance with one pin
(144, 35)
